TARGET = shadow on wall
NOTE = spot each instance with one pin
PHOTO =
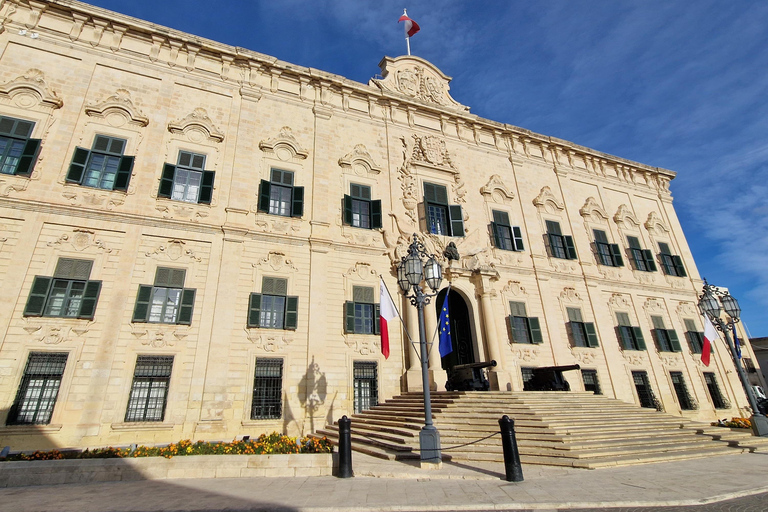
(313, 390)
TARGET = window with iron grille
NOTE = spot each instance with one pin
(718, 400)
(608, 254)
(279, 196)
(359, 210)
(267, 389)
(644, 391)
(631, 337)
(273, 308)
(149, 391)
(642, 258)
(442, 218)
(582, 334)
(671, 263)
(506, 236)
(366, 385)
(681, 390)
(38, 389)
(749, 366)
(666, 339)
(694, 336)
(524, 329)
(18, 151)
(560, 246)
(69, 293)
(188, 180)
(103, 166)
(167, 301)
(590, 381)
(527, 374)
(361, 313)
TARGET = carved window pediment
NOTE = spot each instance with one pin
(593, 211)
(284, 146)
(547, 201)
(29, 90)
(496, 191)
(118, 106)
(655, 225)
(197, 126)
(624, 218)
(359, 161)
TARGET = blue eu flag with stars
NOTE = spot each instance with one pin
(444, 330)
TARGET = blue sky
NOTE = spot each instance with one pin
(675, 84)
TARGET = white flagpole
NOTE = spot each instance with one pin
(407, 38)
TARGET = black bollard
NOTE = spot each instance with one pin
(345, 448)
(511, 454)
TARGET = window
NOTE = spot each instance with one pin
(273, 308)
(681, 390)
(749, 366)
(582, 333)
(666, 339)
(366, 386)
(631, 337)
(694, 336)
(267, 389)
(590, 381)
(38, 389)
(167, 302)
(68, 293)
(560, 246)
(149, 391)
(103, 166)
(607, 254)
(505, 236)
(714, 391)
(361, 313)
(524, 329)
(671, 263)
(442, 218)
(641, 258)
(188, 180)
(278, 196)
(527, 374)
(17, 151)
(644, 391)
(359, 210)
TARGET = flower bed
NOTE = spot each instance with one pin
(733, 423)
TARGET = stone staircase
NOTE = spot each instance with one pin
(553, 428)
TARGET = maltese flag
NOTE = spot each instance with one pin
(411, 27)
(710, 334)
(387, 313)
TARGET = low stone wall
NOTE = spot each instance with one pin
(50, 472)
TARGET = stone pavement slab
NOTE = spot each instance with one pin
(394, 486)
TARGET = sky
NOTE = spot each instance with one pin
(674, 84)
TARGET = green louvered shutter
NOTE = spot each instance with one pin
(166, 181)
(638, 334)
(456, 220)
(77, 167)
(618, 261)
(265, 188)
(517, 238)
(496, 234)
(141, 309)
(37, 296)
(347, 210)
(254, 310)
(206, 187)
(349, 317)
(187, 305)
(376, 219)
(28, 156)
(376, 319)
(674, 340)
(297, 206)
(291, 313)
(649, 261)
(677, 261)
(512, 330)
(625, 336)
(123, 176)
(535, 329)
(592, 340)
(90, 299)
(570, 248)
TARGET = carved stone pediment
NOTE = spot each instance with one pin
(496, 190)
(29, 90)
(655, 225)
(593, 211)
(624, 218)
(418, 79)
(117, 110)
(359, 161)
(197, 126)
(284, 146)
(547, 201)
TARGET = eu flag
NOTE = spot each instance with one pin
(444, 330)
(736, 343)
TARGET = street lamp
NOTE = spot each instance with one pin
(410, 272)
(709, 304)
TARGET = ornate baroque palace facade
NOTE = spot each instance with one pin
(192, 234)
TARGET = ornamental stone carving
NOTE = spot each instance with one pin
(655, 225)
(432, 150)
(118, 110)
(276, 261)
(593, 211)
(29, 90)
(625, 219)
(496, 191)
(173, 250)
(197, 127)
(547, 202)
(359, 161)
(284, 146)
(268, 342)
(80, 240)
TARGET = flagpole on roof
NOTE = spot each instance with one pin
(407, 37)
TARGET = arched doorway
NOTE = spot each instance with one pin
(461, 331)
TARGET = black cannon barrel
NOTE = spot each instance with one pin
(543, 369)
(490, 364)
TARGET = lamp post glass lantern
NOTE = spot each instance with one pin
(710, 304)
(410, 272)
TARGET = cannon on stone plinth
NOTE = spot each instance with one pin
(469, 377)
(550, 378)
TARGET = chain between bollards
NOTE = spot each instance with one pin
(511, 454)
(345, 448)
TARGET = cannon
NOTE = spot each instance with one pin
(550, 378)
(469, 377)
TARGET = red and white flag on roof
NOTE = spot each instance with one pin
(387, 312)
(710, 335)
(411, 27)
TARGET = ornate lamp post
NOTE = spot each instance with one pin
(410, 272)
(710, 304)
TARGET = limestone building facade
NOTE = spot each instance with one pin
(192, 237)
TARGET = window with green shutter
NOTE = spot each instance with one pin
(103, 166)
(279, 196)
(69, 293)
(671, 263)
(642, 259)
(582, 334)
(361, 314)
(273, 308)
(666, 339)
(608, 254)
(18, 152)
(188, 180)
(694, 336)
(167, 301)
(360, 210)
(506, 236)
(631, 337)
(442, 218)
(524, 329)
(560, 246)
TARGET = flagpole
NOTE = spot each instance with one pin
(405, 327)
(408, 44)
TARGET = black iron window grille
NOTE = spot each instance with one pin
(631, 337)
(273, 308)
(188, 180)
(524, 329)
(167, 301)
(366, 393)
(359, 210)
(694, 336)
(582, 334)
(666, 339)
(69, 293)
(506, 236)
(361, 313)
(718, 400)
(560, 246)
(608, 254)
(103, 166)
(644, 391)
(526, 373)
(687, 403)
(18, 151)
(279, 196)
(267, 389)
(590, 381)
(149, 391)
(38, 389)
(442, 218)
(749, 365)
(671, 263)
(642, 258)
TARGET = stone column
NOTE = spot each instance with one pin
(498, 376)
(411, 318)
(439, 376)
